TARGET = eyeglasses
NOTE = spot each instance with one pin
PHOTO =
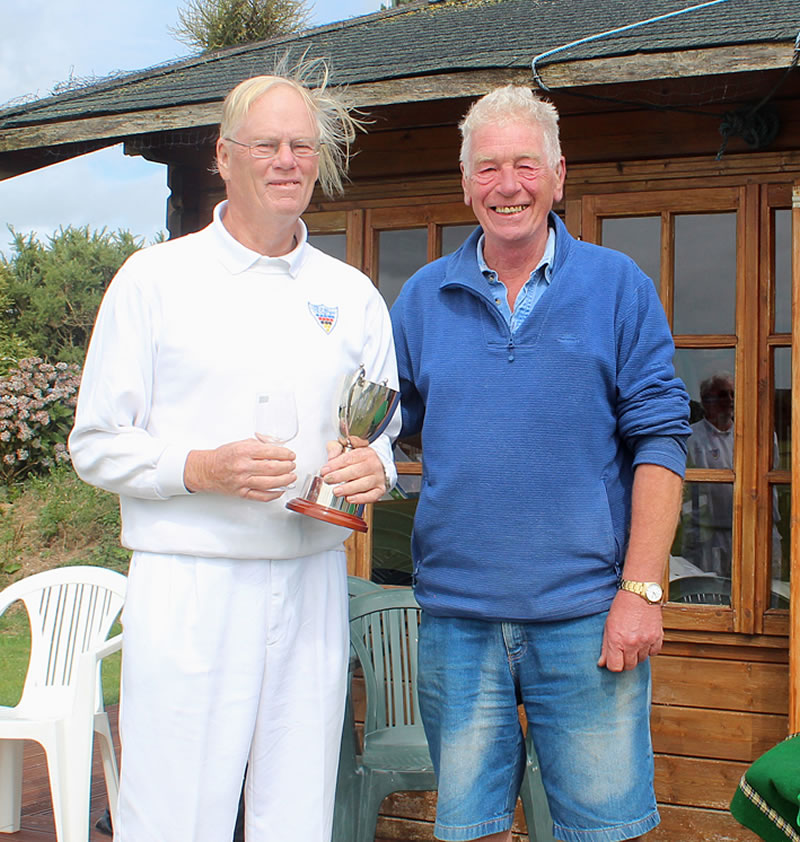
(301, 147)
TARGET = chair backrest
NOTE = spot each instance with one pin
(384, 630)
(71, 611)
(701, 590)
(357, 586)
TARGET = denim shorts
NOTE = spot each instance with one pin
(590, 727)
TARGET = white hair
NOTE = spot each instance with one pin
(336, 126)
(512, 104)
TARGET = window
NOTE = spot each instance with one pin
(721, 261)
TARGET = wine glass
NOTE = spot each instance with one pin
(276, 416)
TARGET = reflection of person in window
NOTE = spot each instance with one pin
(707, 540)
(708, 536)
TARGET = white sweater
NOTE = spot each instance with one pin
(188, 334)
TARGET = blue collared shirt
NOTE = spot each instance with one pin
(529, 294)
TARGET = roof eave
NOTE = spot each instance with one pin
(453, 84)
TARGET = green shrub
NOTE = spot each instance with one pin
(12, 348)
(53, 291)
(37, 408)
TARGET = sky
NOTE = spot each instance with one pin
(44, 42)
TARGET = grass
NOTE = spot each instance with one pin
(46, 522)
(15, 647)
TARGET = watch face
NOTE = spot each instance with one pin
(654, 593)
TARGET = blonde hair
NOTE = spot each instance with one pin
(512, 104)
(336, 126)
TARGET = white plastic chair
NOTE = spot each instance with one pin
(71, 610)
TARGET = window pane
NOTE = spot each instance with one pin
(333, 244)
(782, 372)
(454, 235)
(779, 546)
(706, 530)
(783, 271)
(705, 273)
(708, 372)
(392, 521)
(401, 254)
(640, 238)
(700, 564)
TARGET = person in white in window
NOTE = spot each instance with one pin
(708, 536)
(707, 539)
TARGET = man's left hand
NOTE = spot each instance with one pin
(633, 632)
(357, 474)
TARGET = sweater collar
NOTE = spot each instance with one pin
(237, 258)
(463, 270)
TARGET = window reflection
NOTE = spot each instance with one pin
(696, 366)
(783, 271)
(392, 522)
(401, 253)
(701, 556)
(333, 244)
(779, 546)
(705, 273)
(782, 373)
(454, 235)
(640, 238)
(707, 528)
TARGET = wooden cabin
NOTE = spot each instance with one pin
(680, 124)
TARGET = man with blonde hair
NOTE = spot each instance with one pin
(236, 632)
(554, 446)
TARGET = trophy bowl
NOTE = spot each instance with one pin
(364, 411)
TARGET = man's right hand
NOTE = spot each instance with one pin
(250, 469)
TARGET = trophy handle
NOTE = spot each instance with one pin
(357, 380)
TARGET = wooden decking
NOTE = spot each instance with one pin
(37, 808)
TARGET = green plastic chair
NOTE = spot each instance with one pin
(384, 633)
(356, 586)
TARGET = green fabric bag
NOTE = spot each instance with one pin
(768, 796)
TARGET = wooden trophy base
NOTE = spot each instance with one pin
(304, 507)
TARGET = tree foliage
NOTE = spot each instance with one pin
(12, 347)
(52, 291)
(207, 25)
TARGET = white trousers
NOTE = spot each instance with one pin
(230, 664)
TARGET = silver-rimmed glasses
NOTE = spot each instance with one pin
(302, 147)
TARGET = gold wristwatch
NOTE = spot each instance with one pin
(651, 592)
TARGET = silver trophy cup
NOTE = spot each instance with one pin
(363, 413)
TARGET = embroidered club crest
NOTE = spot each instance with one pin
(325, 316)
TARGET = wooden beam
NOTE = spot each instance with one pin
(675, 65)
(600, 71)
(794, 630)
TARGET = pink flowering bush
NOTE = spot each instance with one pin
(37, 408)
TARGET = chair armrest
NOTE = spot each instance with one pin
(88, 692)
(113, 644)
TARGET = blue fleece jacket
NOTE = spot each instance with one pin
(529, 443)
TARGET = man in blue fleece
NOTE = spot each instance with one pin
(539, 371)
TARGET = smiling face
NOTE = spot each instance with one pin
(510, 187)
(267, 196)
